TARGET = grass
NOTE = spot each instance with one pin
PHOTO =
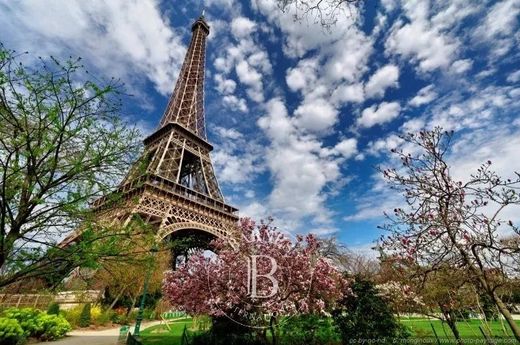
(467, 329)
(161, 335)
(419, 327)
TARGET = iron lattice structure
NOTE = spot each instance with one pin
(173, 185)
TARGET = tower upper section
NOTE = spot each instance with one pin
(186, 104)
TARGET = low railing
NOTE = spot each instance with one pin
(26, 300)
(131, 340)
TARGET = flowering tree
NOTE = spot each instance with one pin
(454, 223)
(291, 278)
(401, 297)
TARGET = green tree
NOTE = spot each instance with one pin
(365, 315)
(62, 145)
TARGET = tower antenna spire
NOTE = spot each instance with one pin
(203, 12)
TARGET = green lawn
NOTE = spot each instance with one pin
(160, 335)
(467, 329)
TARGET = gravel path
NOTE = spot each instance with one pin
(88, 337)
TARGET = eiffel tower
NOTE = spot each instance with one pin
(173, 186)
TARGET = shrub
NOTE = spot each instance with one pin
(54, 309)
(54, 326)
(226, 332)
(35, 323)
(72, 315)
(95, 312)
(104, 318)
(11, 333)
(365, 315)
(309, 330)
(27, 318)
(119, 316)
(85, 317)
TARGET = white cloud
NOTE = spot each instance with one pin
(225, 86)
(480, 109)
(276, 123)
(501, 21)
(461, 66)
(349, 93)
(237, 158)
(424, 96)
(260, 59)
(379, 114)
(416, 41)
(373, 207)
(254, 210)
(235, 167)
(452, 13)
(302, 76)
(228, 133)
(242, 27)
(300, 167)
(120, 38)
(349, 57)
(385, 77)
(316, 115)
(514, 77)
(385, 144)
(498, 30)
(347, 147)
(499, 145)
(301, 37)
(413, 125)
(247, 59)
(228, 4)
(428, 40)
(252, 78)
(235, 103)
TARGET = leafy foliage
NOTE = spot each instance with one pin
(53, 326)
(225, 331)
(62, 145)
(365, 315)
(37, 324)
(309, 329)
(28, 319)
(11, 333)
(85, 317)
(53, 309)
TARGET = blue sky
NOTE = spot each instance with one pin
(300, 116)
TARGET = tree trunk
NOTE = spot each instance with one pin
(117, 298)
(484, 284)
(133, 299)
(453, 327)
(272, 326)
(507, 315)
(450, 320)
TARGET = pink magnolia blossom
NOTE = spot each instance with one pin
(221, 285)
